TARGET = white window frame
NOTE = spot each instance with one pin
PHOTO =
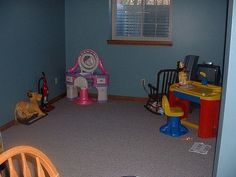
(139, 39)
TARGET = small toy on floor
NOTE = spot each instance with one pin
(27, 112)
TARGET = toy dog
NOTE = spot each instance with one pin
(24, 111)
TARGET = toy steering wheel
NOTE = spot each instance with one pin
(88, 61)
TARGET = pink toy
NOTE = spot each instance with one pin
(82, 75)
(83, 97)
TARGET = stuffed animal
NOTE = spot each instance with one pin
(26, 110)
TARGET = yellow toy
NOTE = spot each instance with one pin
(26, 111)
(204, 80)
(173, 127)
(182, 74)
(203, 74)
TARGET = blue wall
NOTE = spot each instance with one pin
(198, 28)
(32, 40)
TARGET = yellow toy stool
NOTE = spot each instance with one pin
(173, 127)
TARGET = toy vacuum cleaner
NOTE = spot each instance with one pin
(43, 90)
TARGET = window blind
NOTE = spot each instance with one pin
(141, 19)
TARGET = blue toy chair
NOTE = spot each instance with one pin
(173, 127)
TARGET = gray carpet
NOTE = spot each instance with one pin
(114, 139)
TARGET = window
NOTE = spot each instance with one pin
(141, 21)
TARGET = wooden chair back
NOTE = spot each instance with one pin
(27, 161)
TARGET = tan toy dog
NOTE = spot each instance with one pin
(26, 110)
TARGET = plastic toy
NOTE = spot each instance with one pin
(204, 80)
(182, 74)
(43, 90)
(189, 124)
(83, 75)
(29, 112)
(173, 127)
(207, 96)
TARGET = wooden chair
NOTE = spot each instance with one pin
(165, 78)
(27, 161)
(2, 166)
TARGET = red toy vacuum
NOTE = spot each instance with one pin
(43, 90)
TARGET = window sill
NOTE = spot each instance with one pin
(132, 42)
